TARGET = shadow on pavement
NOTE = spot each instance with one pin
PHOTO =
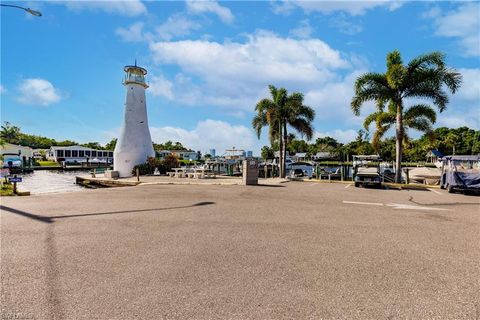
(50, 219)
(269, 185)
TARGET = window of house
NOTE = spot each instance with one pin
(110, 154)
(81, 153)
(68, 153)
(74, 153)
(94, 153)
(87, 153)
(59, 153)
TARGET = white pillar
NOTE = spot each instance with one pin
(134, 145)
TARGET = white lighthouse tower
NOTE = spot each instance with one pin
(134, 145)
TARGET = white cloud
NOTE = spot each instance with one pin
(2, 89)
(209, 134)
(345, 25)
(122, 7)
(343, 136)
(470, 88)
(38, 92)
(222, 12)
(134, 33)
(303, 31)
(176, 25)
(159, 86)
(235, 75)
(464, 106)
(462, 24)
(354, 8)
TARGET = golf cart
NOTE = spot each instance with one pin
(367, 171)
(460, 173)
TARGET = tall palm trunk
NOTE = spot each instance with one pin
(399, 144)
(280, 151)
(285, 137)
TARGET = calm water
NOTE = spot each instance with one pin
(44, 181)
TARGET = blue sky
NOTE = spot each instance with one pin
(210, 62)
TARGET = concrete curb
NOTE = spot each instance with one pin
(388, 184)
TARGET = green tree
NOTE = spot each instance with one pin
(10, 133)
(279, 112)
(93, 145)
(424, 77)
(267, 153)
(170, 161)
(111, 145)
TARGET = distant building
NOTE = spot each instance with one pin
(37, 153)
(79, 154)
(433, 156)
(18, 156)
(249, 154)
(212, 153)
(300, 156)
(181, 154)
(323, 156)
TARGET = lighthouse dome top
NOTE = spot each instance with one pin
(135, 69)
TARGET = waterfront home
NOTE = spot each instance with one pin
(19, 156)
(79, 154)
(38, 153)
(180, 154)
(324, 156)
(299, 157)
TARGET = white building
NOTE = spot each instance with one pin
(134, 144)
(16, 155)
(79, 154)
(180, 154)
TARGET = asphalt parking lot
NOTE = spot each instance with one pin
(299, 250)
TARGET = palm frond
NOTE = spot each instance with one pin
(420, 110)
(435, 59)
(304, 127)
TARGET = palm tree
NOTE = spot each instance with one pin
(280, 111)
(419, 117)
(422, 78)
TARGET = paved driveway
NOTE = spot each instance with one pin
(298, 250)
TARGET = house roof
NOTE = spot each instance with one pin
(76, 148)
(435, 153)
(323, 155)
(300, 154)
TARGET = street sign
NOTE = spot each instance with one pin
(14, 179)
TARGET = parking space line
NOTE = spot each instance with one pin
(348, 186)
(434, 191)
(364, 203)
(412, 207)
(313, 184)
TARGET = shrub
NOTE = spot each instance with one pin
(149, 166)
(170, 161)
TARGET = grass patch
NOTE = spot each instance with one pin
(6, 190)
(48, 164)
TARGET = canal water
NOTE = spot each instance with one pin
(45, 181)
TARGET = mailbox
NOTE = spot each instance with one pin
(250, 171)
